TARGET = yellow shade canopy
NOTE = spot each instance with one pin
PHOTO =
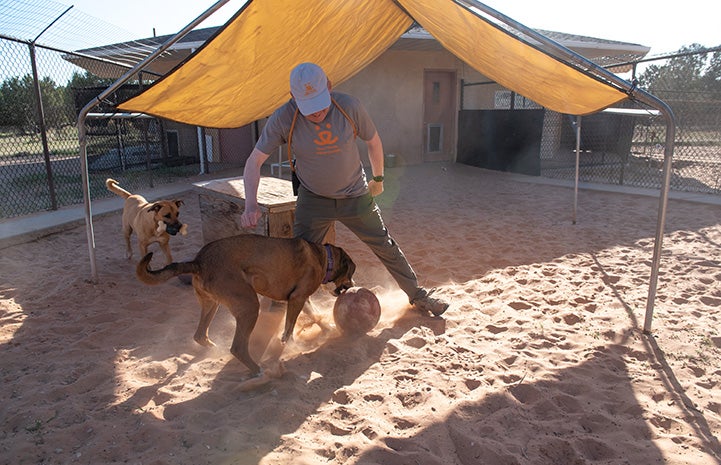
(513, 63)
(241, 74)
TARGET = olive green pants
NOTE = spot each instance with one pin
(315, 215)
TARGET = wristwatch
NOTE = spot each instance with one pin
(378, 178)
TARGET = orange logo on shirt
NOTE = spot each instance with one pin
(325, 142)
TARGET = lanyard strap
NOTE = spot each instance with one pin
(290, 137)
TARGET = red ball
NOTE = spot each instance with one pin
(356, 311)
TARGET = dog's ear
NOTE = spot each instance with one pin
(347, 266)
(351, 267)
(178, 203)
(343, 270)
(155, 207)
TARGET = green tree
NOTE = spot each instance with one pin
(54, 107)
(17, 102)
(690, 82)
(18, 105)
(82, 87)
(712, 77)
(691, 70)
(84, 79)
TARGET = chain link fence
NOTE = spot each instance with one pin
(41, 94)
(622, 149)
(629, 149)
(39, 150)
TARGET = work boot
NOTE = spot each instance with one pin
(425, 303)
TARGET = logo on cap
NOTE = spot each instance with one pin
(309, 87)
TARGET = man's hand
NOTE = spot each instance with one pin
(250, 217)
(375, 188)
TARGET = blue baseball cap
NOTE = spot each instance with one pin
(309, 86)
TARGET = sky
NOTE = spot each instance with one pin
(663, 26)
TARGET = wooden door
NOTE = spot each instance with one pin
(439, 109)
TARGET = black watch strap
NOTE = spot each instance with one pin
(378, 178)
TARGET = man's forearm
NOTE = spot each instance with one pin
(251, 177)
(375, 155)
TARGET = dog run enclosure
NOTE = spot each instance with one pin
(227, 83)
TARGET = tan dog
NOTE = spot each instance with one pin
(234, 270)
(152, 222)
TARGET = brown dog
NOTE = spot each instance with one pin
(152, 222)
(234, 270)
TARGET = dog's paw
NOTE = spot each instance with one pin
(262, 378)
(315, 321)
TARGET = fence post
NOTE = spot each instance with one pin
(43, 128)
(41, 112)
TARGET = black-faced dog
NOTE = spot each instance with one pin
(151, 222)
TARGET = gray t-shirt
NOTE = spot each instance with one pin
(327, 159)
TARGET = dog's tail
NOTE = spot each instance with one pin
(152, 277)
(113, 186)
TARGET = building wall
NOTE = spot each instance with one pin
(479, 92)
(392, 90)
(187, 138)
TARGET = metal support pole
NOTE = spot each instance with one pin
(578, 162)
(661, 220)
(589, 68)
(82, 132)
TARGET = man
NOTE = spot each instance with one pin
(321, 127)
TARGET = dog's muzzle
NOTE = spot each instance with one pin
(342, 288)
(173, 229)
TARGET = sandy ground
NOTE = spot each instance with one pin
(540, 360)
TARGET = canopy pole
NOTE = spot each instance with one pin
(82, 133)
(591, 69)
(578, 162)
(661, 220)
